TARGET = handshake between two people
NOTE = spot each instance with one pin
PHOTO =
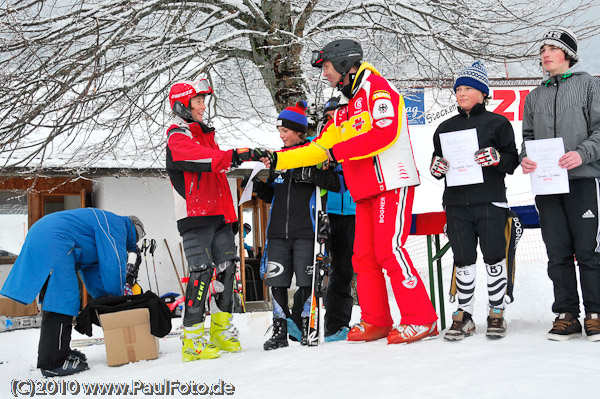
(487, 156)
(241, 155)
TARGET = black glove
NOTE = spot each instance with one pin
(305, 174)
(272, 158)
(247, 154)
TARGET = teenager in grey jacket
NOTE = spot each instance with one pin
(567, 105)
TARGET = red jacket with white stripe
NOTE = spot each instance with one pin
(369, 135)
(196, 167)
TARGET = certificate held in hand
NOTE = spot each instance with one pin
(548, 177)
(459, 149)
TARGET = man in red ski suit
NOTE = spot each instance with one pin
(369, 136)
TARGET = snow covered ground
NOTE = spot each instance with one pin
(523, 365)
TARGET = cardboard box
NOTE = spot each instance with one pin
(11, 308)
(127, 337)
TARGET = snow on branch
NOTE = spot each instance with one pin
(84, 82)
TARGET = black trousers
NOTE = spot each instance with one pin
(338, 297)
(55, 340)
(467, 224)
(570, 230)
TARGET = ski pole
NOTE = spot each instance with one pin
(175, 267)
(144, 250)
(183, 262)
(152, 249)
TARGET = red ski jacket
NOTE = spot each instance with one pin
(196, 167)
(369, 136)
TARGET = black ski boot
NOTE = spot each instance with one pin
(279, 338)
(304, 339)
(71, 365)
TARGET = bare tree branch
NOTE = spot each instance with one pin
(79, 80)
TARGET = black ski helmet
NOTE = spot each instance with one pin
(343, 54)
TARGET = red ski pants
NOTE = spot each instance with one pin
(382, 227)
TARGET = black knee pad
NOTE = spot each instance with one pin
(195, 296)
(226, 276)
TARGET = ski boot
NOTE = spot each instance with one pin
(364, 331)
(78, 354)
(279, 338)
(407, 333)
(195, 346)
(222, 333)
(72, 365)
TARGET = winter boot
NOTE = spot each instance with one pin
(223, 334)
(564, 328)
(293, 331)
(496, 325)
(279, 338)
(364, 331)
(71, 365)
(407, 333)
(462, 326)
(304, 338)
(195, 346)
(339, 335)
(592, 326)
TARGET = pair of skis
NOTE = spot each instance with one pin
(80, 342)
(9, 323)
(320, 272)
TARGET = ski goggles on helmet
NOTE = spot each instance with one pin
(317, 59)
(202, 87)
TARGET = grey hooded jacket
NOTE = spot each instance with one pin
(567, 106)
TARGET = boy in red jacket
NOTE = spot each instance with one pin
(204, 210)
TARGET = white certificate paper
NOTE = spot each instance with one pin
(548, 177)
(247, 193)
(459, 149)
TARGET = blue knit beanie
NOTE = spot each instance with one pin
(474, 76)
(294, 117)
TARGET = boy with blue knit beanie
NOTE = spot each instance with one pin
(290, 233)
(478, 212)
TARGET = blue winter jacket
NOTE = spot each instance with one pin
(90, 240)
(341, 203)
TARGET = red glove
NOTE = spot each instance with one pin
(439, 166)
(487, 156)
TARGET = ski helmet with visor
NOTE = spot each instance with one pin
(181, 94)
(343, 54)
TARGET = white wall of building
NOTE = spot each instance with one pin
(150, 199)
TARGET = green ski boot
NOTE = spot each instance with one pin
(195, 346)
(222, 333)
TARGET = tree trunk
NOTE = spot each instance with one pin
(278, 57)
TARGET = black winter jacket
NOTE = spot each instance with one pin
(293, 201)
(493, 130)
